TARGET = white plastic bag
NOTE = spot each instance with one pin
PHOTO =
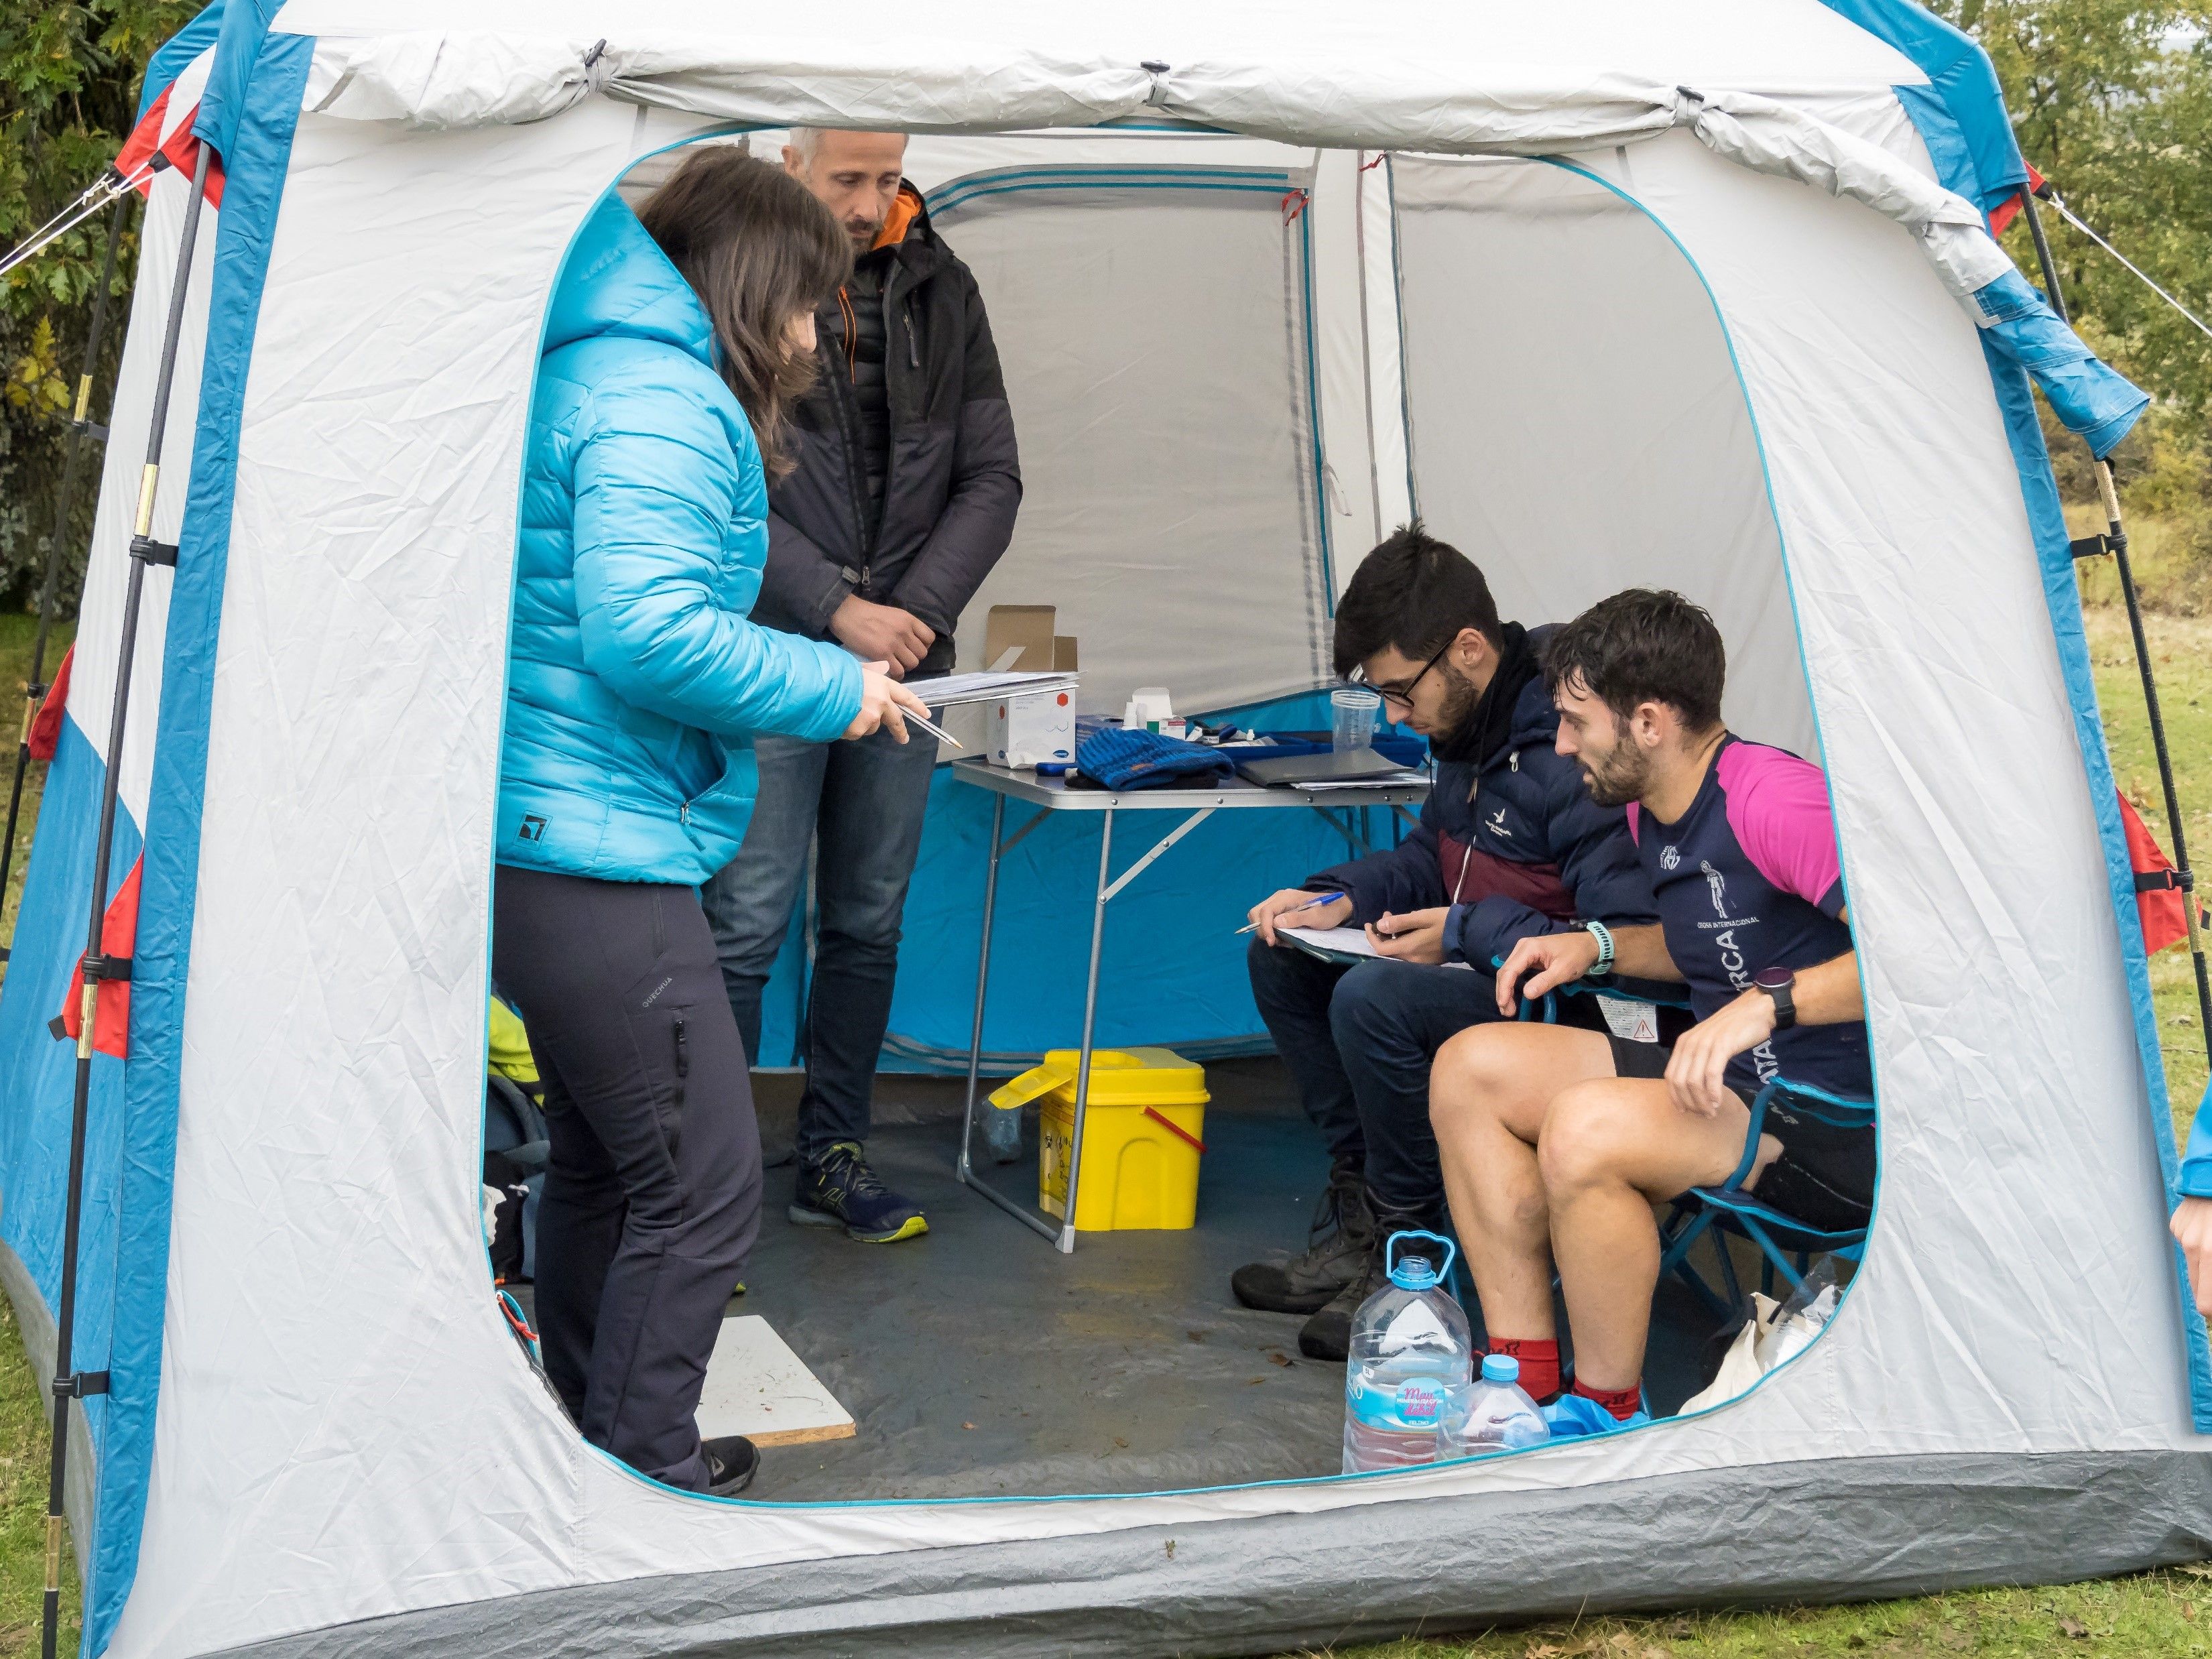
(1775, 1332)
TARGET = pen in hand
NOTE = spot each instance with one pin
(932, 728)
(1317, 899)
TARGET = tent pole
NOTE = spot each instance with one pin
(2115, 543)
(70, 1384)
(35, 688)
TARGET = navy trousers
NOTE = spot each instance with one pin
(653, 1187)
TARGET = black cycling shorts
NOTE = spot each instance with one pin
(1825, 1175)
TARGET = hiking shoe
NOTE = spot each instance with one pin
(1577, 1417)
(732, 1462)
(1327, 1334)
(842, 1191)
(1336, 1245)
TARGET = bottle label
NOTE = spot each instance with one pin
(1414, 1406)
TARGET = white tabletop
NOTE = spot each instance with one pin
(1054, 795)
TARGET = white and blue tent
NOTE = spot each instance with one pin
(1695, 292)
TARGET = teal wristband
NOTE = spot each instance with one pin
(1603, 935)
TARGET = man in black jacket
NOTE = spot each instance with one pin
(901, 501)
(1509, 842)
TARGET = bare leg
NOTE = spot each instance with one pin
(1608, 1151)
(1488, 1093)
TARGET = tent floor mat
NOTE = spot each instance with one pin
(978, 1361)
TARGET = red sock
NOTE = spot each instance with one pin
(1540, 1363)
(1623, 1403)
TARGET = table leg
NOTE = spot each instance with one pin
(1089, 1019)
(982, 980)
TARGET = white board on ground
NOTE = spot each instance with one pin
(757, 1387)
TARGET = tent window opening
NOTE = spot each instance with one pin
(1234, 367)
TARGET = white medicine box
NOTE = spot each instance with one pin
(1033, 730)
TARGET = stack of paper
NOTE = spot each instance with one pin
(953, 690)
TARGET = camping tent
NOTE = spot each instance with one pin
(1696, 293)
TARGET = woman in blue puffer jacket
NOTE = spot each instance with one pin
(675, 341)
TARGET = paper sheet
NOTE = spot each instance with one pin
(1329, 942)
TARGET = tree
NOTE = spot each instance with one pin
(68, 90)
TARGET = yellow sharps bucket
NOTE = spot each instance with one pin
(1143, 1127)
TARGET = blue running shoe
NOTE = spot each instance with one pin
(1577, 1417)
(842, 1191)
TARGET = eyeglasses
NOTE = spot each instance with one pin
(1402, 696)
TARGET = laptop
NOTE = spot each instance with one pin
(1331, 765)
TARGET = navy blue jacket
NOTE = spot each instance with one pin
(1516, 848)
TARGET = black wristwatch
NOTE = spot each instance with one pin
(1780, 984)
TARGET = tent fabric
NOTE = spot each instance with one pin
(2160, 901)
(321, 1421)
(111, 1024)
(1961, 107)
(1846, 1529)
(1964, 112)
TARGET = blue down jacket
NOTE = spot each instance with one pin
(635, 681)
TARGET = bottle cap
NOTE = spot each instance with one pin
(1500, 1368)
(1413, 1273)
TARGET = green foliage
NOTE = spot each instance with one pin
(2112, 101)
(69, 91)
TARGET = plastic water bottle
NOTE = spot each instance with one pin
(1351, 718)
(1411, 1354)
(1494, 1414)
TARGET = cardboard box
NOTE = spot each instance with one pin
(1026, 629)
(1029, 731)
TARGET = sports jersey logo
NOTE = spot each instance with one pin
(1669, 859)
(1496, 824)
(1718, 883)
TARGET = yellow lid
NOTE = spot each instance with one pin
(1119, 1077)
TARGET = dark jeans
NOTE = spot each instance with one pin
(653, 1185)
(862, 802)
(1358, 1041)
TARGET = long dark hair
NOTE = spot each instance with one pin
(759, 251)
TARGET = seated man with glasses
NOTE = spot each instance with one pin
(1510, 845)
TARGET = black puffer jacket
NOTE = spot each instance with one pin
(951, 480)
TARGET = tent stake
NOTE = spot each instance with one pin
(2116, 543)
(35, 688)
(68, 1384)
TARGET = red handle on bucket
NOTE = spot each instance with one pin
(1174, 1128)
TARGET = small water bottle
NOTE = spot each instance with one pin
(1494, 1414)
(1351, 711)
(1411, 1354)
(1002, 1132)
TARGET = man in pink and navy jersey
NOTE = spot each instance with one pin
(1556, 1142)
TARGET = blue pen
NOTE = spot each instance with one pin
(1318, 898)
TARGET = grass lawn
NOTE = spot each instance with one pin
(2156, 1614)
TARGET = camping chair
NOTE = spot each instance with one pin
(1785, 1243)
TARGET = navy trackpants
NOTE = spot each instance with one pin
(653, 1186)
